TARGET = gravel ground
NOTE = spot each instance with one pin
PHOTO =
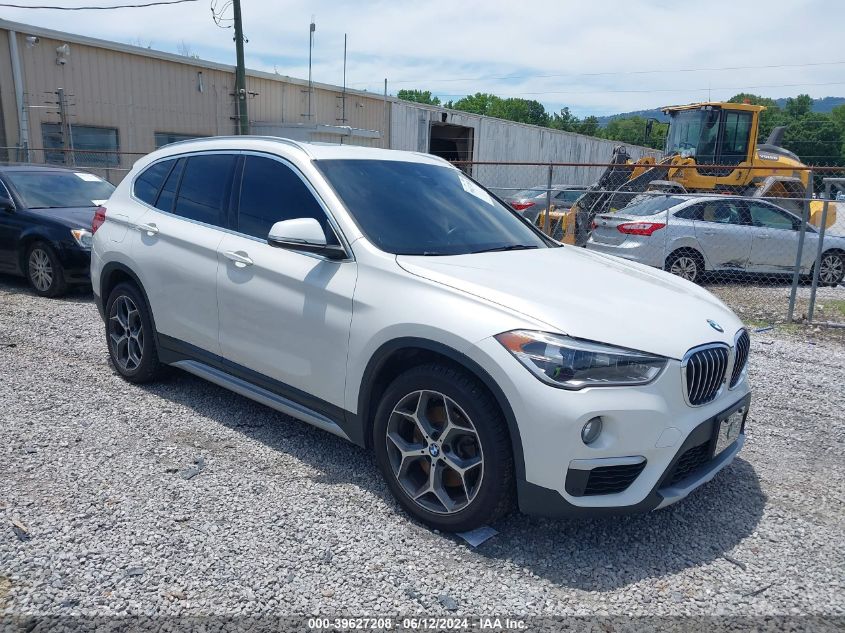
(759, 304)
(99, 513)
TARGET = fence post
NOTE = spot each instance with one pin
(819, 251)
(547, 223)
(796, 274)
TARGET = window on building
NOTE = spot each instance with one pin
(166, 138)
(204, 190)
(272, 192)
(150, 181)
(102, 145)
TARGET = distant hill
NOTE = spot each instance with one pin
(825, 104)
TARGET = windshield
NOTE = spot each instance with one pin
(59, 189)
(651, 206)
(409, 208)
(693, 133)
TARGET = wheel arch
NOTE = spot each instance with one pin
(401, 354)
(25, 243)
(687, 249)
(115, 273)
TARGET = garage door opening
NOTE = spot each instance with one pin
(452, 142)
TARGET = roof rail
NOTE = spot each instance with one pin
(230, 137)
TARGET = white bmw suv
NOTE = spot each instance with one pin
(388, 298)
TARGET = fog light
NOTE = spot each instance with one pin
(590, 432)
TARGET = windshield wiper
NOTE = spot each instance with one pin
(512, 247)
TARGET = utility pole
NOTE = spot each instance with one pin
(311, 29)
(343, 101)
(67, 132)
(240, 71)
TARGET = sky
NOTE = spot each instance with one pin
(596, 57)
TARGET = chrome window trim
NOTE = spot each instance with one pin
(350, 257)
(722, 382)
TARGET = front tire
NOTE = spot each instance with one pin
(130, 335)
(686, 265)
(44, 271)
(442, 445)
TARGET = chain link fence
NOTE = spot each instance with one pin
(108, 164)
(769, 241)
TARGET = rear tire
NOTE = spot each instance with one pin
(130, 336)
(686, 265)
(831, 270)
(44, 271)
(443, 447)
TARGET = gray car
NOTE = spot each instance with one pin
(532, 202)
(689, 236)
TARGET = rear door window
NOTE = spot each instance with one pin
(721, 212)
(272, 192)
(205, 188)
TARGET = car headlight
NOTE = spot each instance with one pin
(571, 363)
(83, 237)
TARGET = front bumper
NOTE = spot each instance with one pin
(75, 261)
(547, 502)
(646, 429)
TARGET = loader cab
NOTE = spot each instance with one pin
(713, 134)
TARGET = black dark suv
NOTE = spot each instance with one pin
(45, 224)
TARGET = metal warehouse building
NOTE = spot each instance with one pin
(103, 104)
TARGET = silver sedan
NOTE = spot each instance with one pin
(691, 235)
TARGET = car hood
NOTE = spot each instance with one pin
(589, 295)
(71, 217)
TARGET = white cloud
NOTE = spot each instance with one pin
(429, 44)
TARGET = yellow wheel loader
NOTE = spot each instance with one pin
(710, 148)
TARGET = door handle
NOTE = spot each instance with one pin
(149, 229)
(240, 258)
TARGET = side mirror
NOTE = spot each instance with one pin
(303, 234)
(6, 204)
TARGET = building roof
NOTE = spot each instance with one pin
(73, 38)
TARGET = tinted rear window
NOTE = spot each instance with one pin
(150, 181)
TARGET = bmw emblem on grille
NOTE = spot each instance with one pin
(715, 325)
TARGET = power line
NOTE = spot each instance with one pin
(95, 8)
(609, 73)
(594, 92)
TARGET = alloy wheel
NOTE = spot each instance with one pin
(40, 269)
(684, 267)
(831, 269)
(435, 452)
(126, 333)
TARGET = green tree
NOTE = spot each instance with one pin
(418, 96)
(589, 126)
(520, 110)
(799, 106)
(816, 139)
(479, 103)
(565, 120)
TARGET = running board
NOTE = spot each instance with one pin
(253, 392)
